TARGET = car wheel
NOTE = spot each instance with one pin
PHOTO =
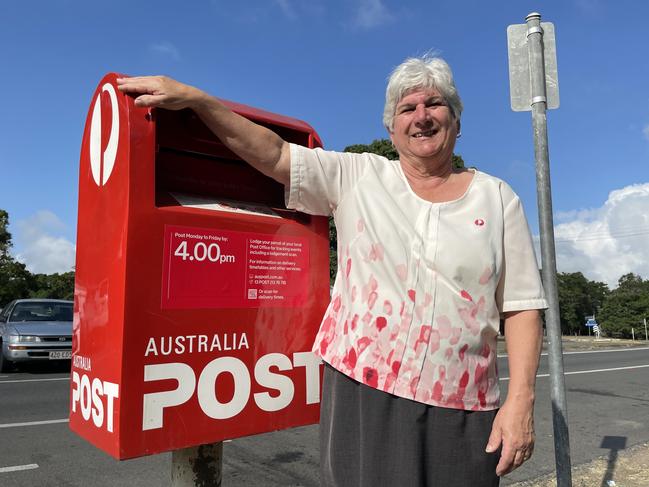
(5, 365)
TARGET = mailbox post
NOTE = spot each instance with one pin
(197, 293)
(197, 465)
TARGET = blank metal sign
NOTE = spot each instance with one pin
(519, 67)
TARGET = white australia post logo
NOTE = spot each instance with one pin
(101, 172)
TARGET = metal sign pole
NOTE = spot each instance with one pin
(539, 122)
(197, 466)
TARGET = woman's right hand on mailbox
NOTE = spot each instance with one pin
(160, 91)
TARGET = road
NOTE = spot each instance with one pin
(607, 411)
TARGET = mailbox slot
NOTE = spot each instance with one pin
(208, 168)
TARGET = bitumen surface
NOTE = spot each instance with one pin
(623, 465)
(608, 417)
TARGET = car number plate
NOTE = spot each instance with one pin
(65, 354)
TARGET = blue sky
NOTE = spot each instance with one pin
(326, 62)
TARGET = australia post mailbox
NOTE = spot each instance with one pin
(198, 294)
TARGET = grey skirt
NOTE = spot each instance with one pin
(369, 438)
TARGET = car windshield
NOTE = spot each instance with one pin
(42, 311)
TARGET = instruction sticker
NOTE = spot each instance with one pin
(211, 268)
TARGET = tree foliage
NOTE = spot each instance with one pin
(384, 147)
(5, 236)
(578, 298)
(17, 282)
(15, 279)
(54, 286)
(617, 311)
(625, 307)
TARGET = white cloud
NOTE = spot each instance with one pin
(371, 13)
(286, 7)
(645, 131)
(590, 6)
(569, 216)
(165, 49)
(607, 242)
(261, 12)
(42, 250)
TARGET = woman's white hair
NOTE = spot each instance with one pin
(427, 71)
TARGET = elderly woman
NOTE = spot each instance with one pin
(430, 259)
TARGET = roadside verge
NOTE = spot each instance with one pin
(629, 469)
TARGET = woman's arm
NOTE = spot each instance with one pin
(260, 147)
(513, 427)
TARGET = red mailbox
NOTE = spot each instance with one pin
(198, 294)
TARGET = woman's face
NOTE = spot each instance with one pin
(424, 127)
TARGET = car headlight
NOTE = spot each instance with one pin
(23, 339)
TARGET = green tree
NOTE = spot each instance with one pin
(15, 279)
(625, 307)
(384, 147)
(597, 292)
(5, 236)
(53, 286)
(17, 282)
(458, 162)
(578, 298)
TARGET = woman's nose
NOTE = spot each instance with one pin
(420, 112)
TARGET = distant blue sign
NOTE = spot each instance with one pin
(591, 322)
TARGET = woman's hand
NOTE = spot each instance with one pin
(513, 429)
(160, 91)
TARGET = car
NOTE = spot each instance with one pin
(34, 330)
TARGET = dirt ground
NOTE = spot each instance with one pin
(629, 469)
(631, 466)
(573, 344)
(584, 343)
